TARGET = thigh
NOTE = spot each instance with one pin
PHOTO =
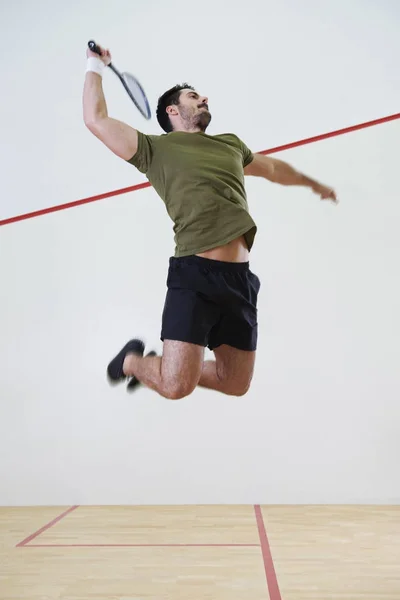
(188, 317)
(190, 311)
(235, 366)
(240, 333)
(238, 324)
(181, 366)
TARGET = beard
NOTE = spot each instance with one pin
(199, 120)
(203, 120)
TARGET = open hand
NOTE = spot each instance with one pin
(325, 192)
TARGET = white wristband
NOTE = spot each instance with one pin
(95, 65)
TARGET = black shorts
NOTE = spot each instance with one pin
(210, 303)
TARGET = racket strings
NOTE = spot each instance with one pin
(136, 92)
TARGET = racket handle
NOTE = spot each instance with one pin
(94, 47)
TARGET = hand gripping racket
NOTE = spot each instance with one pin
(131, 85)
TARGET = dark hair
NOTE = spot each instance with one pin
(169, 97)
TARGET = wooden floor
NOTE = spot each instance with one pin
(200, 553)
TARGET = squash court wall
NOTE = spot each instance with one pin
(320, 421)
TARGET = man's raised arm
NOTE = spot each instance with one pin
(119, 137)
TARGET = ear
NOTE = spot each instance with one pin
(172, 110)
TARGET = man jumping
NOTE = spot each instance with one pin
(212, 294)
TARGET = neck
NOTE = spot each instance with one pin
(188, 129)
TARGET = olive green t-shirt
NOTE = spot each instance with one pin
(200, 178)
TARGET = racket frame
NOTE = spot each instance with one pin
(146, 114)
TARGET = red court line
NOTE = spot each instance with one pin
(325, 136)
(272, 581)
(45, 527)
(45, 211)
(143, 546)
(140, 186)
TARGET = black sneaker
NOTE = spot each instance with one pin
(115, 371)
(133, 382)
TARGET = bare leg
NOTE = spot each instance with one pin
(231, 373)
(174, 375)
(181, 368)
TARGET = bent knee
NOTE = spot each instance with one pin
(177, 390)
(237, 388)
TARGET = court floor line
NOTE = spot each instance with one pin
(46, 527)
(272, 582)
(142, 546)
(270, 574)
(140, 186)
(25, 543)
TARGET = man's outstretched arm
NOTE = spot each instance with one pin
(119, 137)
(280, 172)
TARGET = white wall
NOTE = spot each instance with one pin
(320, 423)
(274, 71)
